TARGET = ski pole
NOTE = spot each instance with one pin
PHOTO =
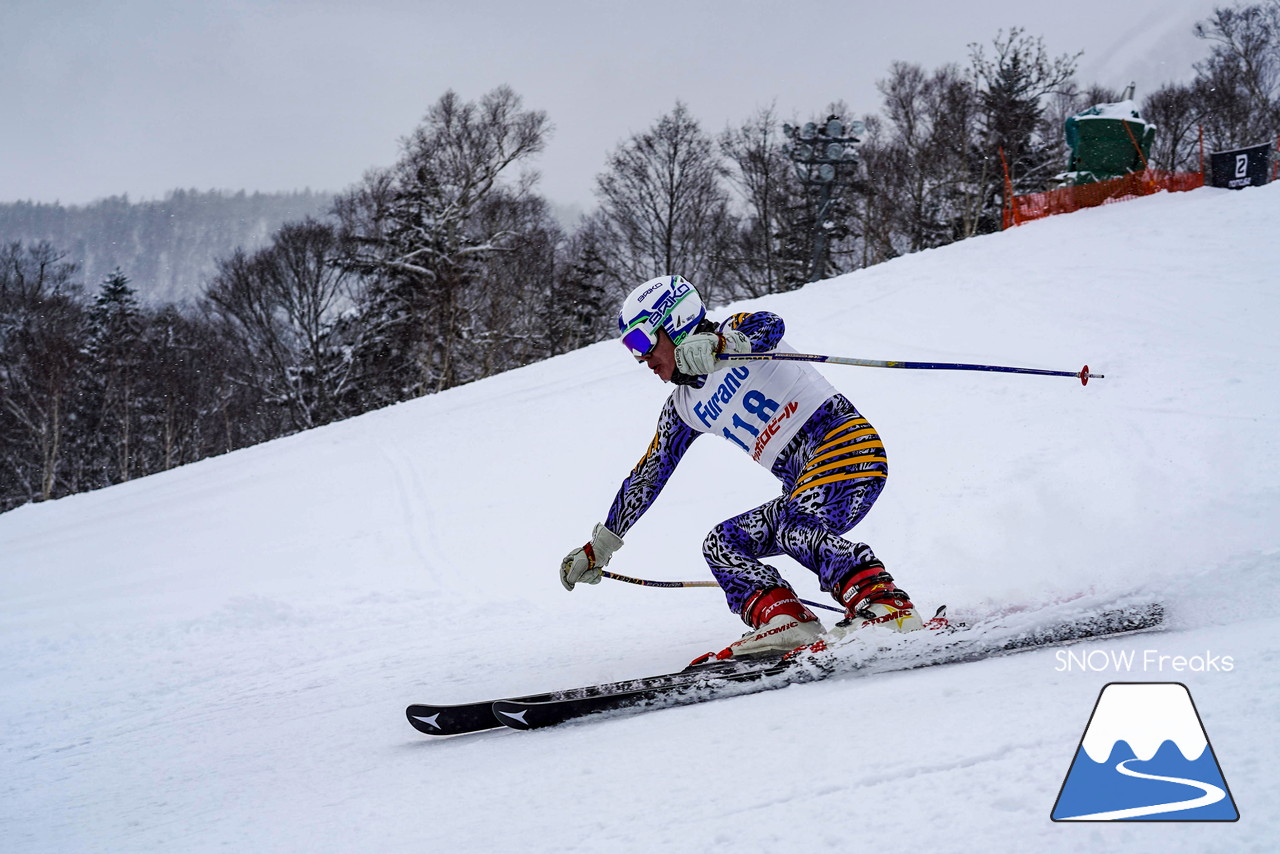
(1083, 374)
(644, 582)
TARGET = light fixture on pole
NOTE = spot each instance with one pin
(819, 154)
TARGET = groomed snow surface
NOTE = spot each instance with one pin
(218, 657)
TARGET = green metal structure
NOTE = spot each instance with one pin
(1107, 141)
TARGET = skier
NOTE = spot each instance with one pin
(789, 419)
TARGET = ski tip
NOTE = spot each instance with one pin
(939, 622)
(512, 714)
(425, 719)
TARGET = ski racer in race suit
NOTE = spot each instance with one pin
(789, 419)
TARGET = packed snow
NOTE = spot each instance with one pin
(219, 657)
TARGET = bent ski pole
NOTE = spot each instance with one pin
(1083, 374)
(644, 582)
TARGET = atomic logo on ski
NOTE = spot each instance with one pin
(1145, 756)
(430, 720)
(516, 716)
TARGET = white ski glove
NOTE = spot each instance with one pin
(696, 355)
(584, 565)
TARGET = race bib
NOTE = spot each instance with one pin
(759, 405)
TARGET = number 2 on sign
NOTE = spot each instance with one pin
(755, 404)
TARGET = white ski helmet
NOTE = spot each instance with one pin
(667, 302)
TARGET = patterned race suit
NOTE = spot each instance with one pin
(832, 466)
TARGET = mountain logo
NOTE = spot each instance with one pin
(1145, 756)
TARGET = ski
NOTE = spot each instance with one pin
(987, 638)
(696, 682)
(963, 644)
(436, 719)
(432, 719)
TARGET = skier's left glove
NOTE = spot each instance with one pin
(584, 565)
(696, 355)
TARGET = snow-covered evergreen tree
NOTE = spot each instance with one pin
(113, 382)
(415, 232)
(1013, 84)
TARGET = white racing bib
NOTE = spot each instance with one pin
(757, 405)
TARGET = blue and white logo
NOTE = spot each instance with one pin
(1145, 756)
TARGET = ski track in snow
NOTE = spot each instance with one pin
(219, 657)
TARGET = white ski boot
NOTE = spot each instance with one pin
(780, 622)
(871, 598)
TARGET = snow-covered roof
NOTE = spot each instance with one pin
(1126, 110)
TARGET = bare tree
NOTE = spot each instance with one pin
(1239, 83)
(189, 365)
(926, 160)
(877, 210)
(280, 303)
(664, 207)
(764, 177)
(1175, 110)
(512, 307)
(41, 318)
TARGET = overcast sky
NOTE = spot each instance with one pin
(105, 98)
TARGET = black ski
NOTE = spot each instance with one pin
(696, 682)
(435, 719)
(814, 664)
(455, 720)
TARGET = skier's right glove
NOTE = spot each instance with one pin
(584, 565)
(696, 355)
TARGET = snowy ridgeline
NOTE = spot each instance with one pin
(220, 656)
(169, 248)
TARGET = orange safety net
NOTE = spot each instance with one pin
(1020, 209)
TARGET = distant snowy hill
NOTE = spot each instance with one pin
(218, 657)
(169, 248)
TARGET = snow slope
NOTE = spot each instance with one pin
(219, 657)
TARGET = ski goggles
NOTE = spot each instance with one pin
(640, 341)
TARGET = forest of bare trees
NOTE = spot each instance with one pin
(447, 265)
